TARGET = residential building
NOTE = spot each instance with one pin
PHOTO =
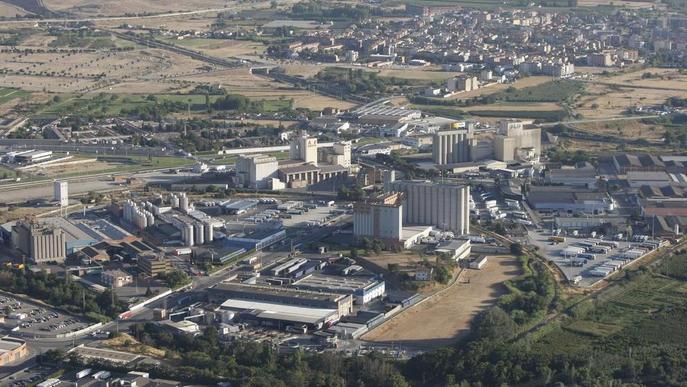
(603, 59)
(152, 265)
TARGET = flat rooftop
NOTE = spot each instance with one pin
(8, 344)
(335, 283)
(278, 291)
(105, 354)
(283, 312)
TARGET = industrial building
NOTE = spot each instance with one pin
(384, 115)
(380, 218)
(340, 304)
(115, 278)
(31, 156)
(568, 199)
(516, 143)
(445, 206)
(304, 148)
(11, 350)
(456, 249)
(257, 240)
(61, 193)
(40, 242)
(363, 288)
(257, 171)
(452, 146)
(302, 175)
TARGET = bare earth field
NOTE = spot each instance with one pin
(629, 129)
(628, 4)
(121, 7)
(519, 84)
(529, 106)
(223, 48)
(9, 10)
(446, 316)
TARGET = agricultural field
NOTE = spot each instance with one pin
(221, 48)
(7, 95)
(643, 314)
(451, 309)
(9, 10)
(122, 7)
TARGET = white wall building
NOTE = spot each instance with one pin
(256, 171)
(380, 218)
(445, 206)
(452, 146)
(61, 193)
(304, 147)
(515, 143)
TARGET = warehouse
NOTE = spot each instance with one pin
(240, 207)
(455, 249)
(342, 304)
(363, 288)
(257, 240)
(32, 157)
(280, 315)
(569, 199)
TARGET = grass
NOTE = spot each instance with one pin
(554, 91)
(642, 310)
(8, 94)
(544, 115)
(108, 105)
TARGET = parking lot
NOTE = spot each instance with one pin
(27, 319)
(27, 377)
(582, 271)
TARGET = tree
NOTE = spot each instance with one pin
(516, 249)
(493, 324)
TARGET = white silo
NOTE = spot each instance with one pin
(209, 232)
(183, 202)
(188, 231)
(175, 201)
(199, 236)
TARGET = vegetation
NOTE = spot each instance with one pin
(555, 91)
(61, 293)
(362, 82)
(84, 39)
(175, 278)
(320, 10)
(544, 115)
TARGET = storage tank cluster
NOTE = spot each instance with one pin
(180, 200)
(140, 217)
(194, 233)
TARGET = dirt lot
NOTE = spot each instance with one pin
(8, 10)
(447, 315)
(519, 84)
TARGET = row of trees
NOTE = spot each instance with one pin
(61, 292)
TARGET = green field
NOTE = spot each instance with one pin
(555, 91)
(643, 313)
(108, 105)
(7, 94)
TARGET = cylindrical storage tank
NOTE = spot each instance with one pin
(209, 233)
(183, 203)
(189, 235)
(199, 236)
(175, 201)
(150, 219)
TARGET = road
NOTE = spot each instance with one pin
(115, 18)
(609, 119)
(21, 192)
